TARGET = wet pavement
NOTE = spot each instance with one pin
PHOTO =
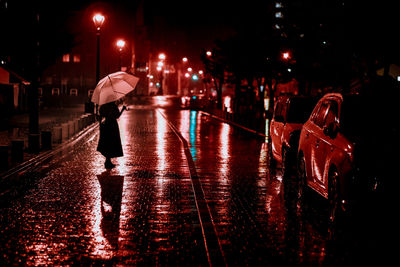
(190, 190)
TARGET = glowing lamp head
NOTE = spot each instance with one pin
(286, 55)
(185, 59)
(120, 44)
(208, 53)
(161, 56)
(98, 20)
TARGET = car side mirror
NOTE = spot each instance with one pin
(331, 130)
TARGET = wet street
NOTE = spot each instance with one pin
(190, 190)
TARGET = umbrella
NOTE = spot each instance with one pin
(113, 87)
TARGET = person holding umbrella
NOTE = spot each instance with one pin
(110, 141)
(106, 94)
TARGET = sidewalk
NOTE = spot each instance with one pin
(61, 123)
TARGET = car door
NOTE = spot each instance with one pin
(277, 127)
(317, 156)
(323, 145)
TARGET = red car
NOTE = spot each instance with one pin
(343, 149)
(290, 113)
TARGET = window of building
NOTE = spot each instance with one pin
(77, 58)
(65, 58)
(55, 91)
(73, 92)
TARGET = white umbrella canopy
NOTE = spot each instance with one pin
(113, 87)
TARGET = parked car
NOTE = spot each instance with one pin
(290, 113)
(344, 149)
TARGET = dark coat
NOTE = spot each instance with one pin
(110, 140)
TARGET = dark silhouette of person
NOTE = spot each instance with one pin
(110, 141)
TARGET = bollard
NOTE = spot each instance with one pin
(17, 150)
(46, 140)
(71, 130)
(3, 157)
(76, 125)
(57, 134)
(34, 143)
(65, 131)
(80, 124)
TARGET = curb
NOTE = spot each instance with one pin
(42, 157)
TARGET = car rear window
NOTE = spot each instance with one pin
(300, 109)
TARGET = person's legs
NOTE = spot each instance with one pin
(108, 164)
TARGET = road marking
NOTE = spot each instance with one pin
(212, 243)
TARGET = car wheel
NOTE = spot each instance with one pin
(333, 196)
(287, 171)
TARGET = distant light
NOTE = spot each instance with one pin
(208, 53)
(158, 84)
(187, 75)
(161, 56)
(289, 70)
(286, 55)
(151, 76)
(151, 83)
(200, 72)
(278, 15)
(398, 78)
(121, 44)
(189, 69)
(185, 59)
(195, 77)
(160, 63)
(278, 5)
(159, 68)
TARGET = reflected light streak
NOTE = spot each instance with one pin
(262, 164)
(125, 135)
(192, 134)
(224, 150)
(161, 128)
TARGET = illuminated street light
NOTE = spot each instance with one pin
(189, 69)
(208, 53)
(185, 59)
(98, 20)
(120, 44)
(286, 55)
(161, 56)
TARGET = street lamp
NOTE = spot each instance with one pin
(120, 45)
(160, 68)
(98, 20)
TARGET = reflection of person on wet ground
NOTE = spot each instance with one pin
(111, 196)
(110, 141)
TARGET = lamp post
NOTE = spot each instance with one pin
(160, 68)
(98, 20)
(120, 45)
